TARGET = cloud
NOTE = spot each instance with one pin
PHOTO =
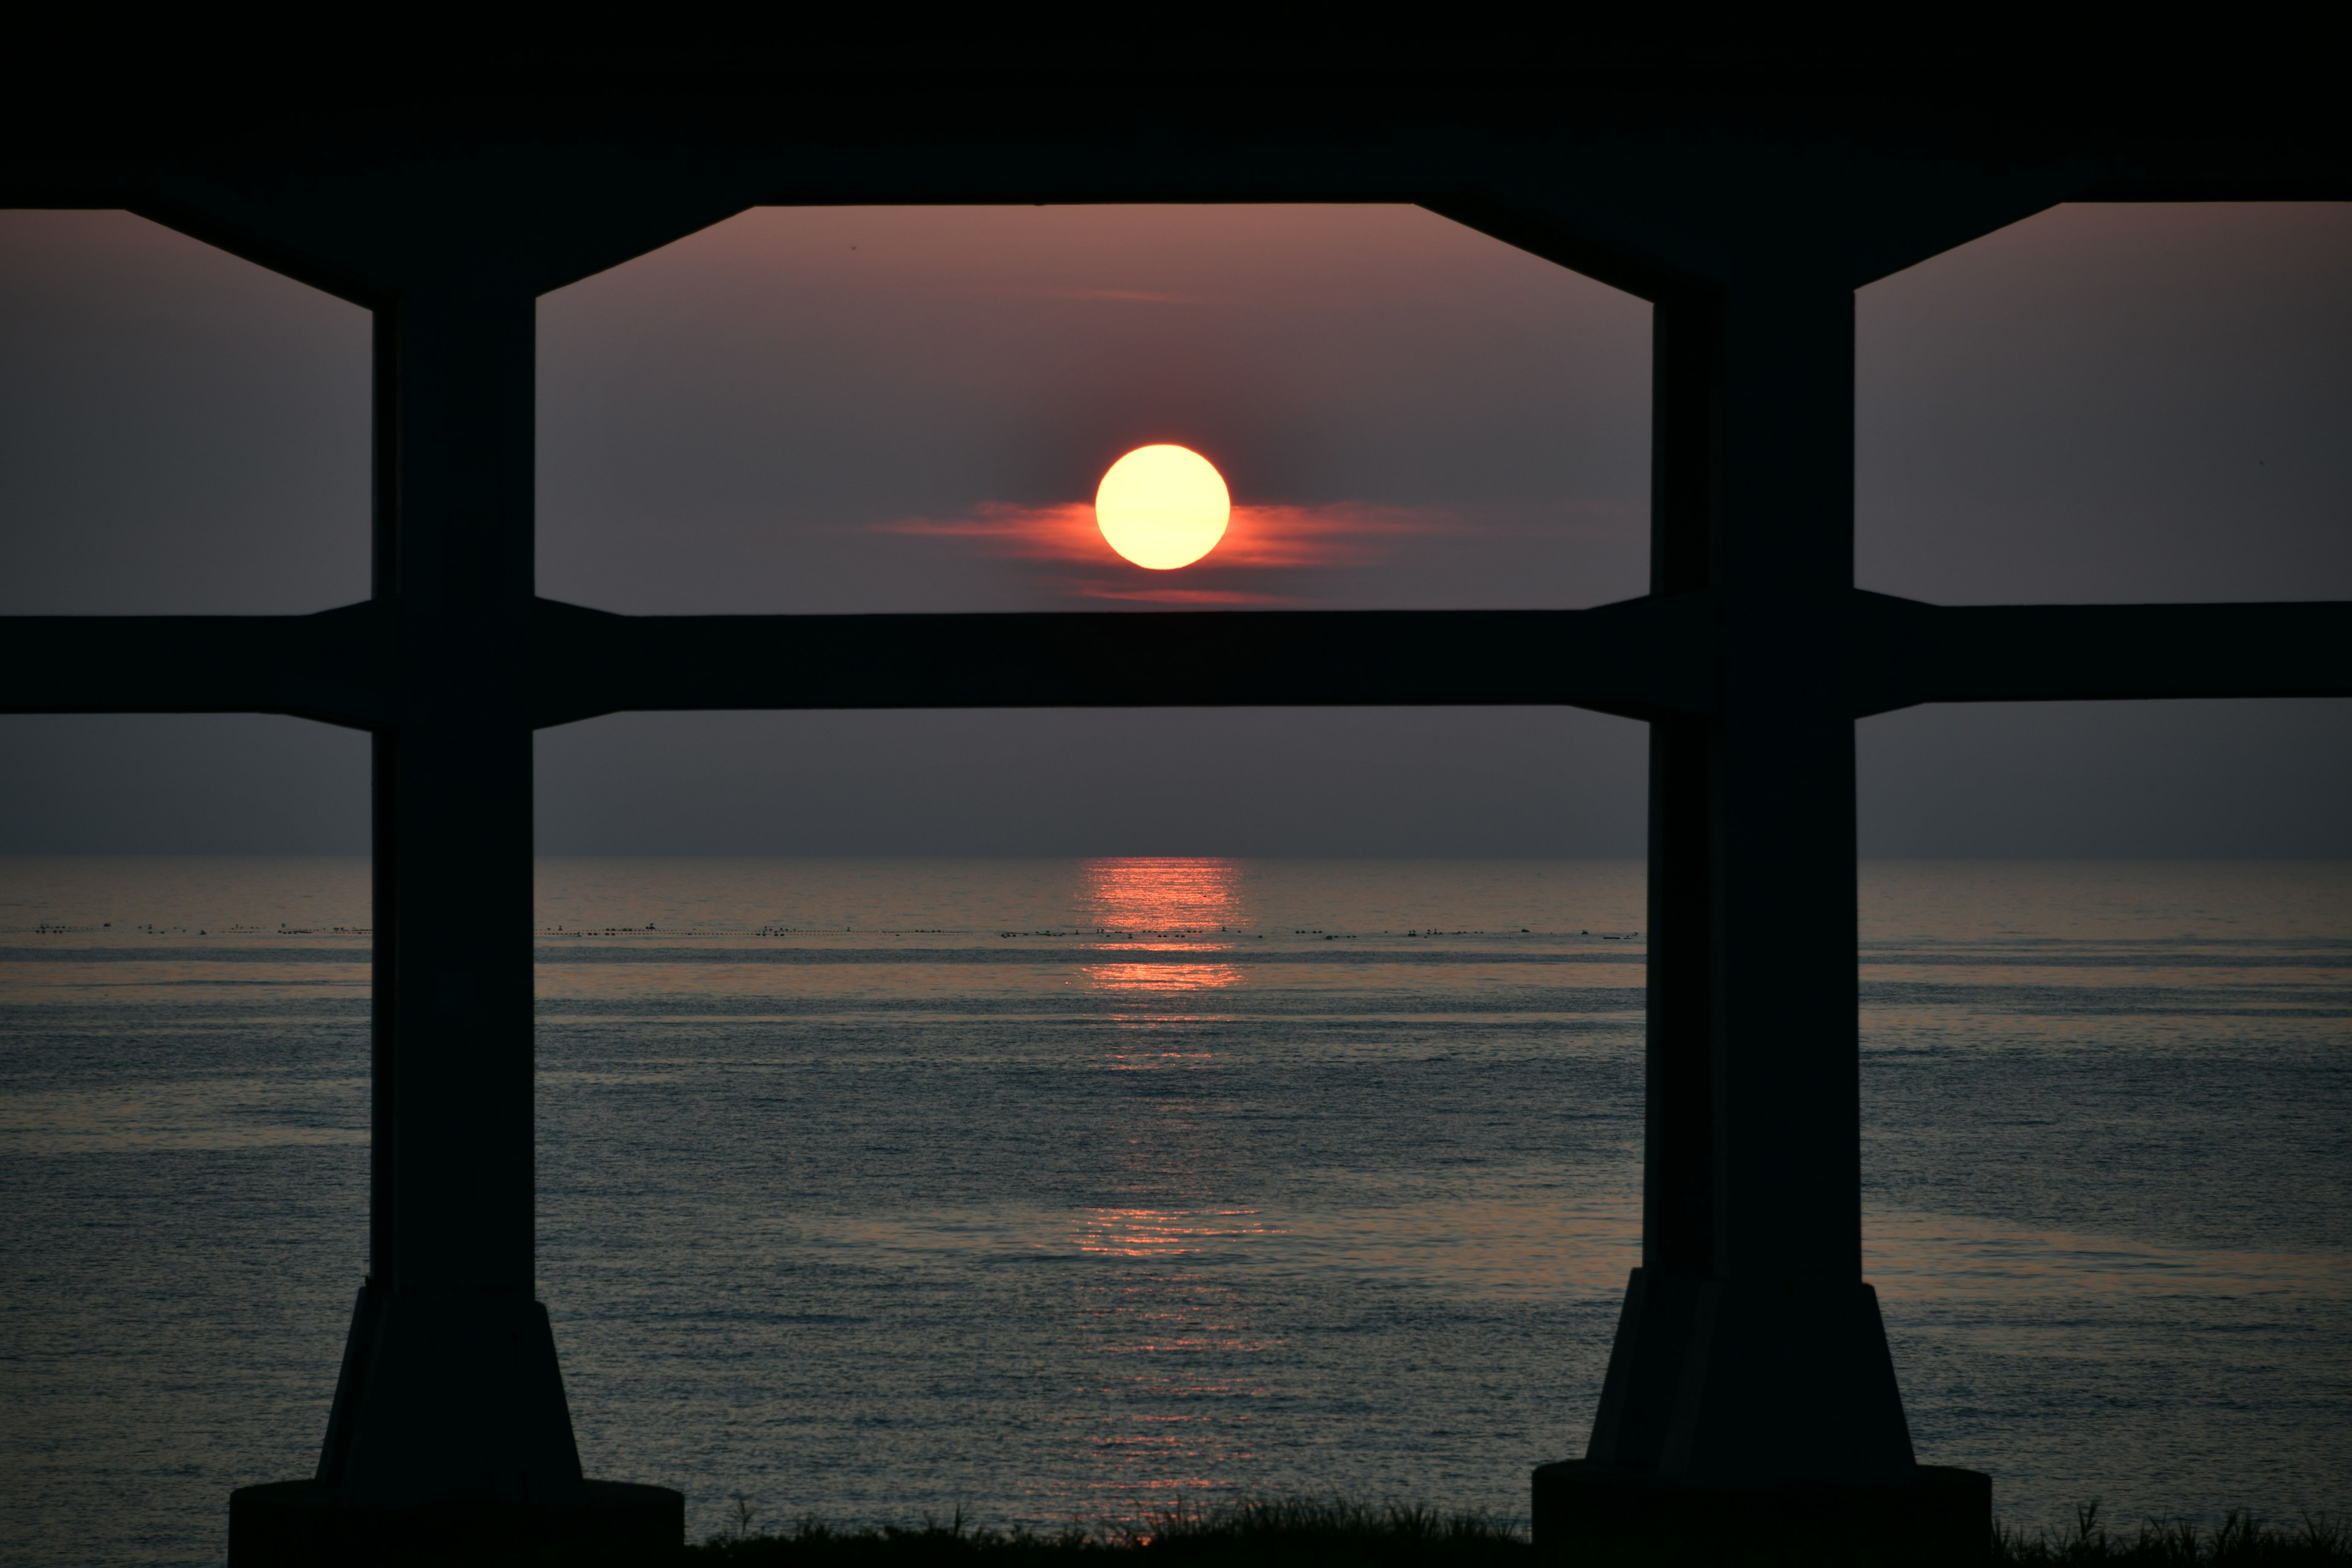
(1200, 599)
(1260, 537)
(1117, 296)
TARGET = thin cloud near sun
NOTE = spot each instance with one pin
(1259, 539)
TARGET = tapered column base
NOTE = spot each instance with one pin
(1943, 1517)
(302, 1523)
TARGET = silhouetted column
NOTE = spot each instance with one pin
(1787, 1377)
(450, 1389)
(1677, 1180)
(1750, 1352)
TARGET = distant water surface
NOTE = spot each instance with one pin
(1060, 1190)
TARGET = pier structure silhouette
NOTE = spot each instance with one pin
(1750, 1380)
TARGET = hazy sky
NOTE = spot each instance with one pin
(882, 409)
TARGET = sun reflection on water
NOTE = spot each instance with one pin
(1153, 977)
(1162, 905)
(1164, 929)
(1164, 895)
(1164, 1233)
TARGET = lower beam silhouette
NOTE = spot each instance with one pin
(1908, 653)
(1654, 658)
(1635, 658)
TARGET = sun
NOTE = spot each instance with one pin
(1163, 507)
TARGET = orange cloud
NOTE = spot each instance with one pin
(1340, 533)
(1204, 598)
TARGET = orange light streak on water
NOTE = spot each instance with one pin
(1164, 1233)
(1163, 896)
(1154, 977)
(1163, 904)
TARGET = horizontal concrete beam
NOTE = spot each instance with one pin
(1639, 658)
(1908, 653)
(335, 666)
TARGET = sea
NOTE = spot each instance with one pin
(1071, 1192)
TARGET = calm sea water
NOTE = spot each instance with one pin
(1059, 1190)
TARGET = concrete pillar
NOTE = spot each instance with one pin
(449, 1421)
(1787, 1376)
(1678, 1142)
(1751, 1362)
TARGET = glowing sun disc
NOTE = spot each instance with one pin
(1163, 507)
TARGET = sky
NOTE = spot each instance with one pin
(831, 410)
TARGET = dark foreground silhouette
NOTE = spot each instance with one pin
(1303, 1531)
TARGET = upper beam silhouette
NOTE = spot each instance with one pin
(1601, 175)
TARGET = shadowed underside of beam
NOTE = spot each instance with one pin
(1642, 658)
